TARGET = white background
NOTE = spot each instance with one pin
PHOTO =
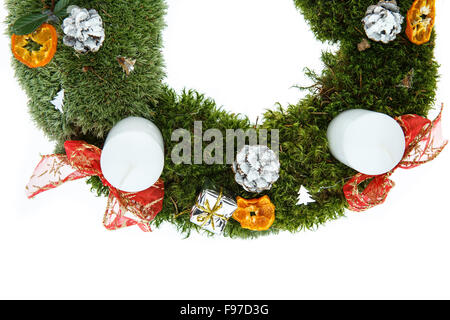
(247, 54)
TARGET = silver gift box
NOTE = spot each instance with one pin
(211, 214)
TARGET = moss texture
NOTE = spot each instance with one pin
(98, 95)
(97, 92)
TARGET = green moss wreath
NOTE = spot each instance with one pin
(98, 95)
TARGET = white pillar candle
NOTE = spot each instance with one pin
(369, 142)
(133, 155)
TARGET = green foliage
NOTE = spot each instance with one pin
(98, 94)
(97, 186)
(60, 9)
(29, 23)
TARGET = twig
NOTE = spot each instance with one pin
(358, 30)
(175, 205)
(177, 212)
(88, 68)
(106, 13)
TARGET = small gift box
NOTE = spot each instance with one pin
(212, 211)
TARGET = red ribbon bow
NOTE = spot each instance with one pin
(83, 160)
(424, 143)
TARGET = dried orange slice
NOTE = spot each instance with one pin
(45, 38)
(420, 21)
(255, 214)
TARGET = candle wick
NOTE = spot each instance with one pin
(387, 151)
(125, 176)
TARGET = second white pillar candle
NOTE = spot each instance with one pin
(369, 142)
(133, 155)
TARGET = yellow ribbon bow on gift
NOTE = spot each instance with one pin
(208, 213)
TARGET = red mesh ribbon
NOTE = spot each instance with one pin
(424, 142)
(124, 209)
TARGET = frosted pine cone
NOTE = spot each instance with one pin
(383, 21)
(83, 30)
(256, 168)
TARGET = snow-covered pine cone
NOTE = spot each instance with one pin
(256, 168)
(383, 21)
(83, 30)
